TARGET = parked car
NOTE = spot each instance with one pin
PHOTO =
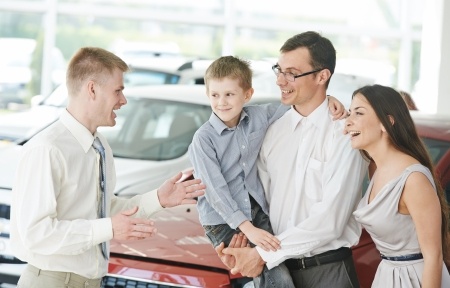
(181, 256)
(20, 126)
(149, 142)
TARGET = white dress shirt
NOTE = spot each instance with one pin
(312, 179)
(54, 222)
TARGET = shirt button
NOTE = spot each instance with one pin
(243, 146)
(243, 164)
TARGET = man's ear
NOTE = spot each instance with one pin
(324, 75)
(90, 85)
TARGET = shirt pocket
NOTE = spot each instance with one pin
(313, 179)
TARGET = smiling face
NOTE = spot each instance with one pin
(227, 98)
(363, 125)
(306, 92)
(108, 97)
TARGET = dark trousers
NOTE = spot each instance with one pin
(275, 277)
(341, 274)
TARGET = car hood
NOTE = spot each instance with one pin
(139, 176)
(23, 125)
(180, 239)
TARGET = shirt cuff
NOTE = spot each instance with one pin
(150, 203)
(270, 263)
(274, 259)
(102, 230)
(236, 219)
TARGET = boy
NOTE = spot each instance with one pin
(224, 152)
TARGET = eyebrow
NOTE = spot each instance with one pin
(288, 68)
(356, 108)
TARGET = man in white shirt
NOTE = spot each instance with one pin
(56, 226)
(311, 175)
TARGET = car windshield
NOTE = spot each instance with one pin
(156, 130)
(139, 77)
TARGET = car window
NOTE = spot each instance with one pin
(436, 148)
(155, 130)
(138, 77)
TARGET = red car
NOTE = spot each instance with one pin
(181, 256)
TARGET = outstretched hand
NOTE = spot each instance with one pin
(172, 192)
(125, 227)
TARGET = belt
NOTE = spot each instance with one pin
(319, 259)
(68, 277)
(408, 257)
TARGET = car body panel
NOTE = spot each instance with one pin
(24, 124)
(180, 238)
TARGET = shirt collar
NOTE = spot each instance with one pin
(219, 126)
(315, 119)
(79, 132)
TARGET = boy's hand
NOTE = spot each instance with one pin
(260, 237)
(337, 109)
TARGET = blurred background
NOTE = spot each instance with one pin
(377, 39)
(399, 43)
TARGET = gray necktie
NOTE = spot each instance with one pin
(102, 210)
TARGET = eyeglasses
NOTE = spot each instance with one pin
(289, 76)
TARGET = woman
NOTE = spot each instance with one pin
(404, 209)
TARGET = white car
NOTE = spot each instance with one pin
(149, 142)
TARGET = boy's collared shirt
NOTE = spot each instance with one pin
(224, 159)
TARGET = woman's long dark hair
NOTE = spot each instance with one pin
(403, 135)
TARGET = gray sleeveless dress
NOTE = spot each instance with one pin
(394, 234)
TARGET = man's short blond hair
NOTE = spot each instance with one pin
(91, 63)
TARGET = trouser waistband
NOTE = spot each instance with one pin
(67, 276)
(319, 259)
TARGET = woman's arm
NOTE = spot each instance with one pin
(419, 199)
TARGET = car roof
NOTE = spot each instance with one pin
(194, 71)
(195, 94)
(153, 67)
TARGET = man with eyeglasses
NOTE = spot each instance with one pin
(311, 175)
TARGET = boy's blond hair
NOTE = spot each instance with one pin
(230, 67)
